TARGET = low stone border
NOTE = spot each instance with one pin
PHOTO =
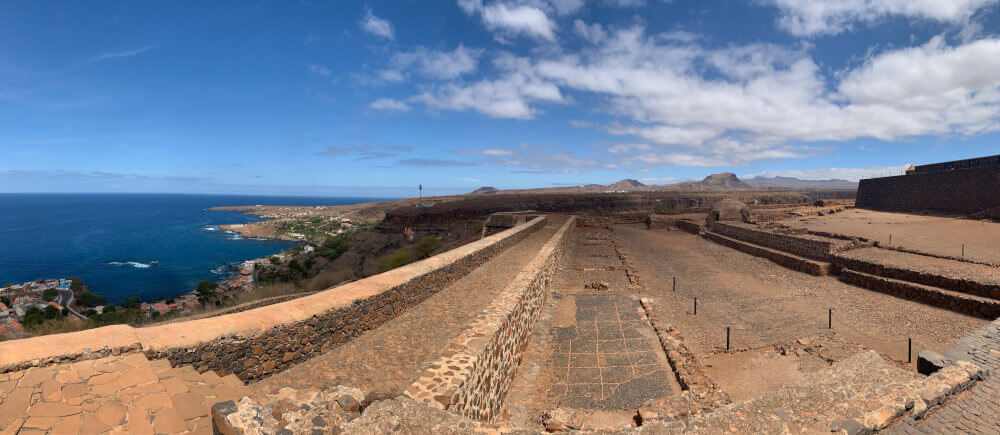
(932, 279)
(989, 309)
(689, 226)
(803, 245)
(700, 391)
(790, 261)
(255, 343)
(472, 376)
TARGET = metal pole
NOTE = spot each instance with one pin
(696, 306)
(890, 239)
(727, 338)
(963, 250)
(829, 319)
(909, 350)
(675, 283)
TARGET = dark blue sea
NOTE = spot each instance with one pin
(109, 240)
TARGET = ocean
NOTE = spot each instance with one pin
(110, 240)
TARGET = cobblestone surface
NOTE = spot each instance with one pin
(978, 409)
(391, 357)
(123, 394)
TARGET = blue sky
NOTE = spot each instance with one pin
(373, 98)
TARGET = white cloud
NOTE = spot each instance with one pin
(625, 3)
(592, 33)
(849, 174)
(509, 19)
(377, 26)
(319, 70)
(687, 104)
(494, 152)
(567, 7)
(830, 17)
(119, 54)
(436, 64)
(389, 104)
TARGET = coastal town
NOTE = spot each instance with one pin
(31, 304)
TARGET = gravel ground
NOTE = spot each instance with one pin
(392, 356)
(934, 234)
(766, 304)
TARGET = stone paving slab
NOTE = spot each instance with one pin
(121, 394)
(610, 358)
(391, 357)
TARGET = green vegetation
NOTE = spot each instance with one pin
(88, 299)
(5, 300)
(50, 294)
(423, 248)
(313, 228)
(206, 291)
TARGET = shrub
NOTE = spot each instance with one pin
(50, 294)
(399, 257)
(425, 246)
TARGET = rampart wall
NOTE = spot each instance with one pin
(473, 374)
(255, 343)
(965, 191)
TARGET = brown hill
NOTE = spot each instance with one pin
(715, 182)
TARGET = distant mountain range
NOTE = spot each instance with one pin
(726, 181)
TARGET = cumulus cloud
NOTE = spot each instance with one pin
(510, 19)
(831, 17)
(436, 64)
(377, 26)
(389, 104)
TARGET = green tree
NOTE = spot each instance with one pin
(109, 308)
(426, 246)
(206, 289)
(50, 294)
(89, 299)
(51, 312)
(132, 302)
(5, 300)
(33, 317)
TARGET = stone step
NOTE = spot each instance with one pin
(782, 258)
(951, 300)
(974, 279)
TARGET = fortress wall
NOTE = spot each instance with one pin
(800, 245)
(966, 191)
(255, 343)
(472, 376)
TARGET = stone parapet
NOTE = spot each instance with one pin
(966, 191)
(474, 372)
(256, 343)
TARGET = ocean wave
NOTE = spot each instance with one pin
(210, 228)
(134, 264)
(235, 237)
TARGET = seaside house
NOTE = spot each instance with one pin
(4, 311)
(308, 248)
(144, 306)
(161, 308)
(54, 304)
(409, 234)
(65, 283)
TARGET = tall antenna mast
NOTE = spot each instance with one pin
(421, 189)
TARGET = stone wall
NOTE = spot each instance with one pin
(472, 376)
(932, 279)
(965, 191)
(808, 246)
(256, 343)
(689, 226)
(792, 262)
(985, 308)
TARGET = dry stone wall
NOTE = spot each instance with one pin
(966, 191)
(256, 343)
(980, 307)
(689, 226)
(932, 279)
(473, 374)
(801, 245)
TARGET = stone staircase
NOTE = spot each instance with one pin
(117, 394)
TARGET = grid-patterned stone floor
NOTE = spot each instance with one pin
(610, 358)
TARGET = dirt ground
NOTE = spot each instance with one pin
(934, 234)
(765, 304)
